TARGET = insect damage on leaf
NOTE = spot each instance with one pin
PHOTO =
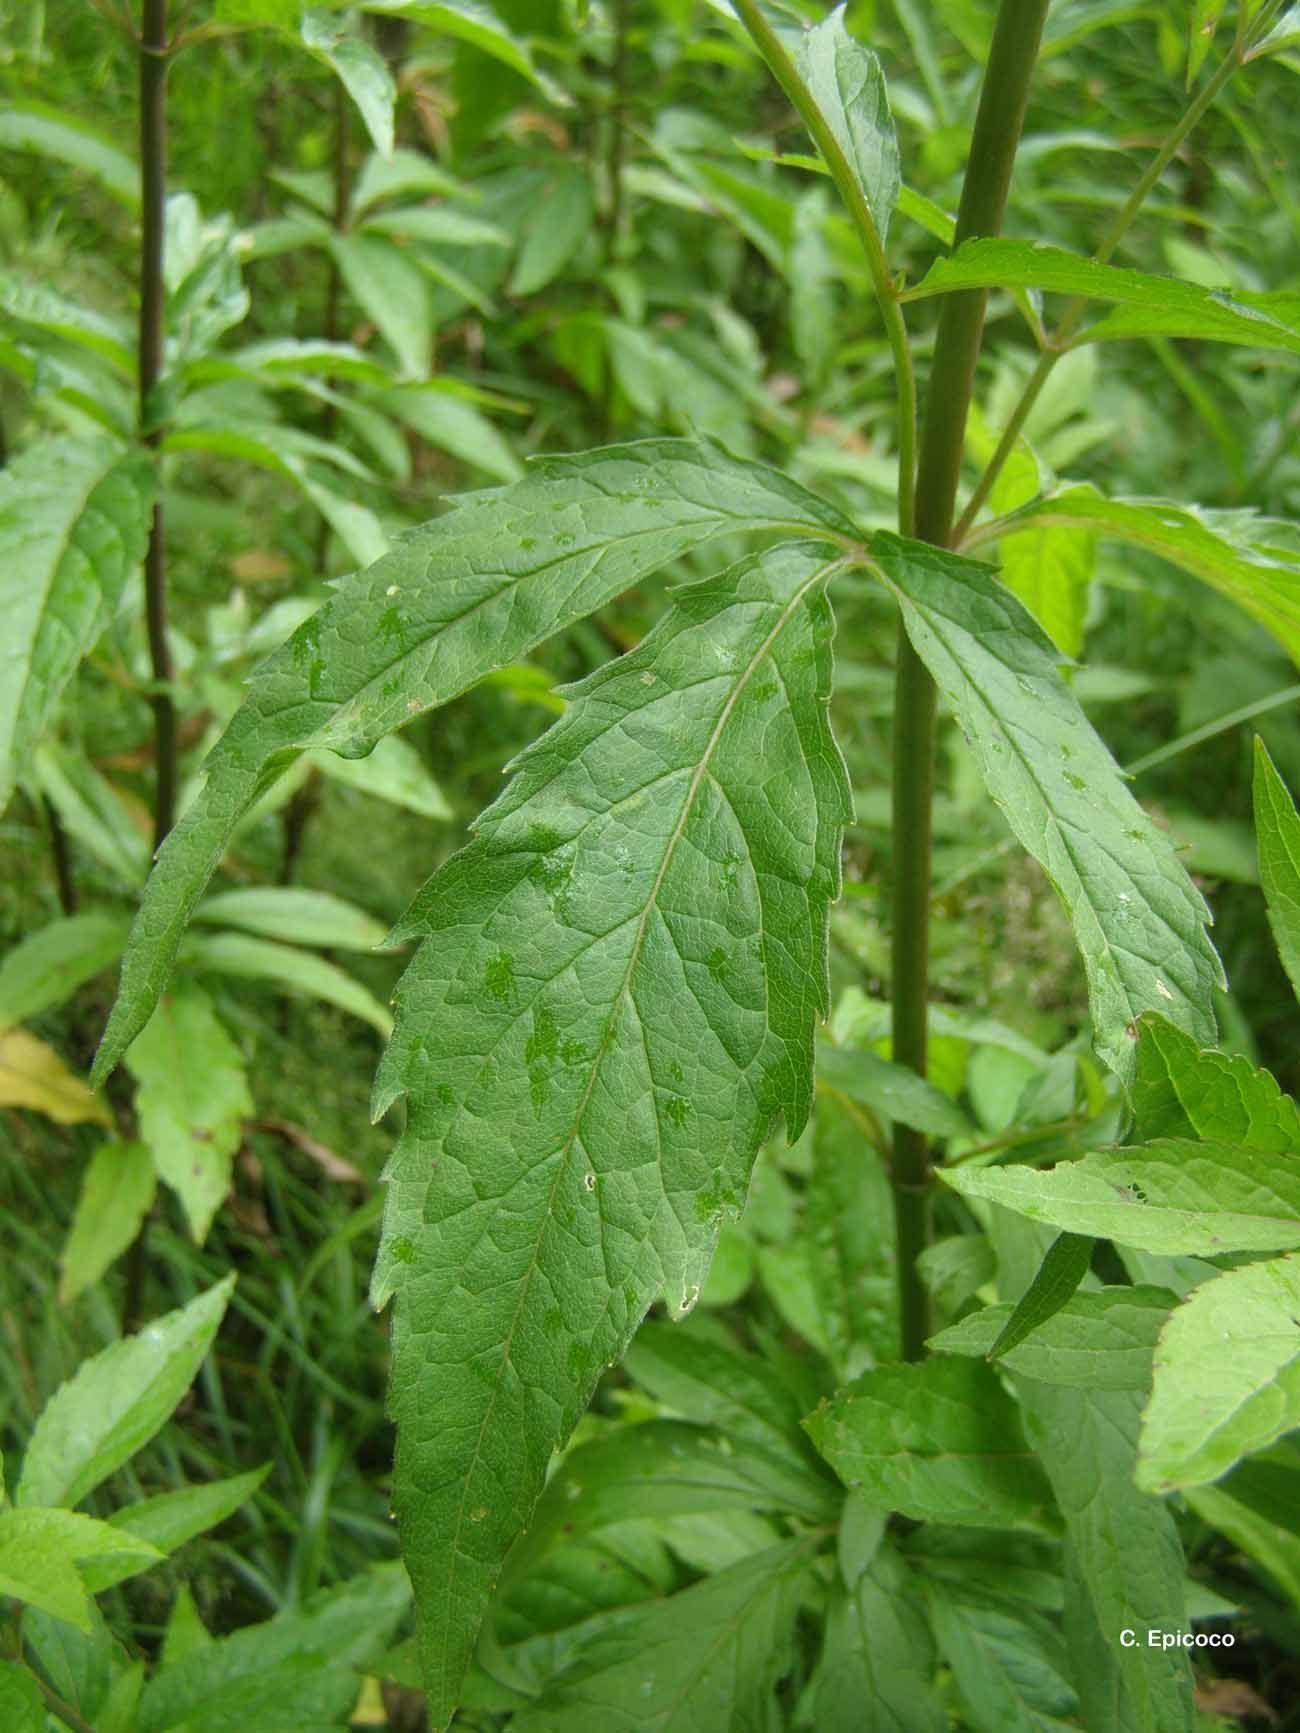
(613, 999)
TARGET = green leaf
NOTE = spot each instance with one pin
(619, 976)
(22, 1708)
(401, 175)
(1138, 920)
(1010, 1665)
(169, 1520)
(1050, 569)
(563, 221)
(295, 1673)
(299, 917)
(845, 81)
(362, 71)
(1259, 1537)
(392, 291)
(852, 1261)
(476, 23)
(1277, 830)
(1100, 1340)
(186, 1634)
(116, 1194)
(91, 810)
(191, 1099)
(1129, 1562)
(393, 771)
(1227, 1378)
(1238, 553)
(62, 137)
(296, 971)
(937, 1442)
(116, 1401)
(1147, 305)
(1063, 1267)
(708, 1657)
(891, 1090)
(1202, 23)
(35, 305)
(470, 592)
(877, 1663)
(1169, 1197)
(661, 1469)
(41, 1549)
(451, 424)
(74, 517)
(1180, 1091)
(440, 226)
(47, 967)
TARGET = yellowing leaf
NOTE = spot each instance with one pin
(32, 1075)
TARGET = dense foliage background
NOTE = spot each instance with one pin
(593, 222)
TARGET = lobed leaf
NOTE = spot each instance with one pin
(74, 517)
(1180, 1091)
(1138, 920)
(612, 1002)
(1227, 1376)
(1168, 1197)
(468, 593)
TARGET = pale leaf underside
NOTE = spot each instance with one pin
(614, 998)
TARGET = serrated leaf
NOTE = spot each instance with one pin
(47, 967)
(1277, 831)
(1129, 1560)
(169, 1520)
(115, 1402)
(1180, 1091)
(613, 1001)
(1064, 1266)
(877, 1662)
(1096, 1341)
(1146, 305)
(41, 1549)
(1170, 1197)
(447, 607)
(1238, 553)
(707, 1657)
(62, 137)
(74, 518)
(254, 959)
(1227, 1376)
(33, 1076)
(391, 289)
(191, 1099)
(1009, 1664)
(116, 1194)
(298, 917)
(22, 1708)
(295, 1673)
(362, 71)
(1138, 920)
(852, 1259)
(891, 1090)
(937, 1442)
(845, 81)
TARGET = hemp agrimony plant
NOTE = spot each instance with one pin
(614, 1000)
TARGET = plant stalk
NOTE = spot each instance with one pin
(998, 123)
(1058, 343)
(153, 216)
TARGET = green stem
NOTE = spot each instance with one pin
(1058, 343)
(153, 209)
(998, 124)
(855, 202)
(1209, 730)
